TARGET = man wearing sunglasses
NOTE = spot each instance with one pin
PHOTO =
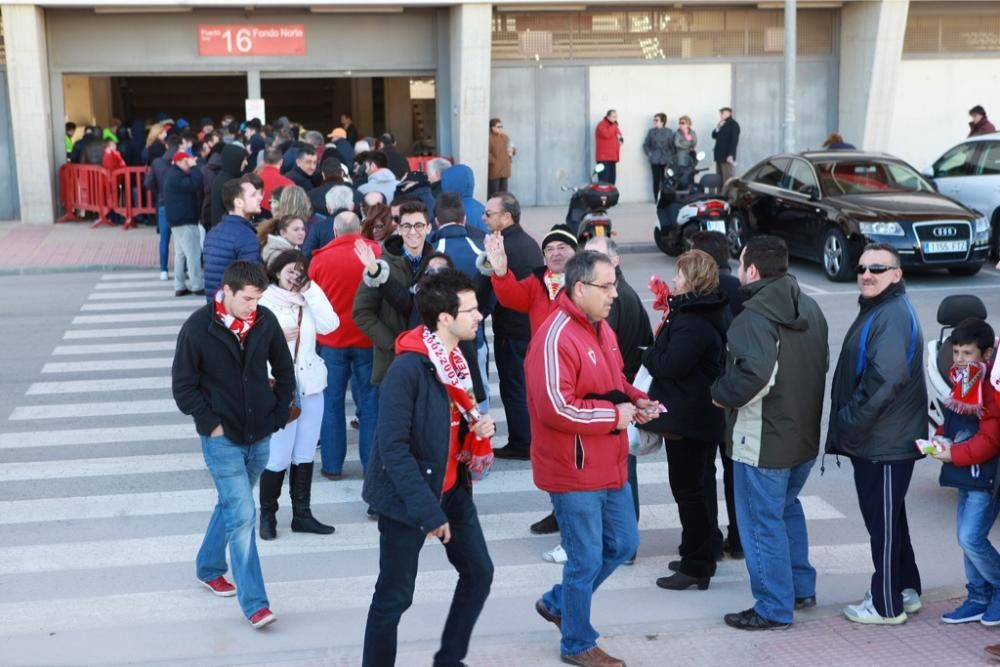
(878, 409)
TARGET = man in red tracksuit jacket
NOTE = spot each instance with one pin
(580, 405)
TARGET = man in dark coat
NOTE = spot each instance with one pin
(226, 352)
(304, 172)
(181, 198)
(878, 409)
(979, 123)
(727, 137)
(397, 162)
(415, 481)
(332, 175)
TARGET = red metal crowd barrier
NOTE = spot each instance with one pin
(86, 188)
(419, 163)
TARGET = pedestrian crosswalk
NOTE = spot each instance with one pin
(107, 497)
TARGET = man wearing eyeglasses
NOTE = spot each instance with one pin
(404, 257)
(580, 405)
(878, 410)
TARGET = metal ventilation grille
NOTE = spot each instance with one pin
(656, 34)
(964, 28)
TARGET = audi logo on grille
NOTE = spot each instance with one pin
(944, 232)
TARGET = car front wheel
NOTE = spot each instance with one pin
(836, 256)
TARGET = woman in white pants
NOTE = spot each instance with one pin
(303, 311)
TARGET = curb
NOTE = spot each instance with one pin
(624, 249)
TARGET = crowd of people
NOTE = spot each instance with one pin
(323, 273)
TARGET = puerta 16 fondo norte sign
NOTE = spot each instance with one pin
(252, 39)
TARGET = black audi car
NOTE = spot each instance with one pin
(828, 204)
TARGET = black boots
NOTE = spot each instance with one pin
(302, 518)
(270, 489)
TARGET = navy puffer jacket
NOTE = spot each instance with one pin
(232, 239)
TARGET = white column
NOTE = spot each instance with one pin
(470, 38)
(30, 110)
(871, 47)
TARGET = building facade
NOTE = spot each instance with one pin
(894, 75)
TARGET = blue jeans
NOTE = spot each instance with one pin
(599, 533)
(234, 469)
(161, 222)
(346, 365)
(773, 531)
(977, 510)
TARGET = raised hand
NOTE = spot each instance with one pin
(366, 256)
(496, 254)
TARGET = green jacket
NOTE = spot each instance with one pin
(775, 376)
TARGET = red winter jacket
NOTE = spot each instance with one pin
(525, 296)
(337, 271)
(575, 444)
(272, 178)
(985, 444)
(607, 146)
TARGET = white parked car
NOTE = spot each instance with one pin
(970, 174)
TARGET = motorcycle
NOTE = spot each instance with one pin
(588, 207)
(938, 358)
(685, 207)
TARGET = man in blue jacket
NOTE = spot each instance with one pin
(459, 178)
(415, 480)
(182, 186)
(234, 237)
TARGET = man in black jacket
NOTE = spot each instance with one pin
(182, 200)
(398, 163)
(220, 377)
(234, 162)
(878, 409)
(630, 322)
(772, 389)
(511, 330)
(415, 481)
(727, 137)
(303, 174)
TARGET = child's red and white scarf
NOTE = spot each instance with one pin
(453, 372)
(240, 328)
(967, 389)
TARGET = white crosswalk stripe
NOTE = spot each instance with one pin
(100, 474)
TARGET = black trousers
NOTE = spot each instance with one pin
(495, 185)
(881, 491)
(609, 175)
(399, 551)
(657, 178)
(686, 464)
(510, 353)
(712, 502)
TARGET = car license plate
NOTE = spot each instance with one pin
(931, 247)
(716, 226)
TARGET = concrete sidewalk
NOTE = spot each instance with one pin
(819, 637)
(74, 246)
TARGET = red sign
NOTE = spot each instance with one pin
(252, 39)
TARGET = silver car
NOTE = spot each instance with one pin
(970, 174)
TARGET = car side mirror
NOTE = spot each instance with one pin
(928, 172)
(812, 192)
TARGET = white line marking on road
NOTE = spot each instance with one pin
(179, 303)
(104, 409)
(91, 436)
(106, 365)
(134, 552)
(167, 285)
(316, 596)
(131, 275)
(145, 294)
(133, 317)
(98, 386)
(130, 332)
(110, 348)
(812, 290)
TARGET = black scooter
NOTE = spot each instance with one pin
(588, 207)
(685, 207)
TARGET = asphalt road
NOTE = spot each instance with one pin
(104, 498)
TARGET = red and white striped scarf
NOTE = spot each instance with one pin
(240, 328)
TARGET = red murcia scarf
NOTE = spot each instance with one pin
(453, 372)
(661, 292)
(240, 328)
(553, 283)
(967, 389)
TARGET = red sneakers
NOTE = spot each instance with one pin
(220, 587)
(262, 618)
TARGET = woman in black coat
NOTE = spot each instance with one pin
(687, 356)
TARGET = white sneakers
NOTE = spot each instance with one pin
(555, 555)
(865, 611)
(164, 276)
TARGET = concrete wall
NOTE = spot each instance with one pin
(8, 174)
(639, 91)
(87, 100)
(470, 42)
(117, 43)
(544, 112)
(933, 98)
(399, 111)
